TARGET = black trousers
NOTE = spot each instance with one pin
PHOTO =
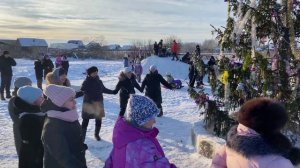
(175, 55)
(5, 84)
(123, 105)
(192, 81)
(85, 123)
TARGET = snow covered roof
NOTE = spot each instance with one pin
(29, 42)
(64, 46)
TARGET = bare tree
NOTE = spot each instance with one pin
(95, 39)
(209, 45)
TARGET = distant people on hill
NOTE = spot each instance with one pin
(174, 50)
(160, 46)
(27, 107)
(198, 50)
(127, 83)
(39, 71)
(175, 83)
(201, 73)
(58, 61)
(155, 48)
(193, 73)
(47, 65)
(65, 64)
(257, 140)
(211, 63)
(152, 83)
(164, 51)
(93, 107)
(138, 70)
(6, 63)
(62, 137)
(186, 58)
(18, 83)
(134, 138)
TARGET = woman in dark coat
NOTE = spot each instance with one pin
(127, 83)
(65, 64)
(93, 107)
(47, 65)
(27, 108)
(152, 83)
(38, 67)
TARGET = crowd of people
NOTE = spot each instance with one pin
(38, 115)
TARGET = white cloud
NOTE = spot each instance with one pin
(118, 20)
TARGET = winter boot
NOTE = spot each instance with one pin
(97, 131)
(160, 113)
(2, 96)
(8, 96)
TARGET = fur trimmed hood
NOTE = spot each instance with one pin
(122, 76)
(249, 143)
(51, 78)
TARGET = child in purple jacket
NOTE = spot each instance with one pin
(138, 70)
(134, 138)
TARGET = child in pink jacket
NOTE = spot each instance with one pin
(134, 138)
(257, 142)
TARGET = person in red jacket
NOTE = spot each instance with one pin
(174, 50)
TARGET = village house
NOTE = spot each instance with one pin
(32, 47)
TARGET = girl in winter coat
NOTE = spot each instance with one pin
(58, 61)
(138, 70)
(176, 84)
(257, 141)
(61, 136)
(126, 85)
(47, 65)
(31, 120)
(93, 107)
(134, 138)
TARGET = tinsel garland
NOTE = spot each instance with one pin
(256, 77)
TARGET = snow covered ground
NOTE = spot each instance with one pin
(180, 112)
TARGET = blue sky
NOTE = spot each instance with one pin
(119, 21)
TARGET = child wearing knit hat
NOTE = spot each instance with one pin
(257, 141)
(26, 106)
(58, 77)
(66, 148)
(134, 137)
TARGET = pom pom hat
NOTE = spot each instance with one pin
(59, 94)
(141, 109)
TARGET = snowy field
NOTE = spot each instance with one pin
(180, 112)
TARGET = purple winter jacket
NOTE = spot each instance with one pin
(135, 148)
(138, 69)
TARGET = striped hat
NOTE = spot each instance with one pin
(59, 94)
